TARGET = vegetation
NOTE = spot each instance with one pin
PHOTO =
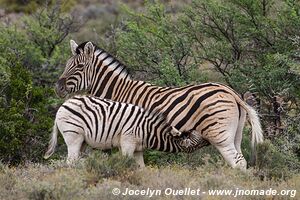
(30, 58)
(57, 181)
(250, 45)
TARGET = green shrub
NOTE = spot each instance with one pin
(253, 44)
(42, 193)
(152, 42)
(33, 5)
(288, 143)
(272, 164)
(103, 165)
(29, 61)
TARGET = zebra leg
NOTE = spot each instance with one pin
(232, 156)
(139, 158)
(74, 142)
(223, 136)
(127, 145)
(83, 147)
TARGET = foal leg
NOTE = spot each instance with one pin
(139, 158)
(74, 142)
(128, 147)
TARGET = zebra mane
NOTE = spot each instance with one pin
(121, 67)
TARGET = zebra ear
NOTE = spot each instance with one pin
(73, 46)
(175, 132)
(89, 49)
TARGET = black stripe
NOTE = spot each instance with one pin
(99, 75)
(112, 85)
(96, 68)
(124, 90)
(137, 114)
(105, 80)
(222, 141)
(181, 109)
(163, 99)
(216, 102)
(127, 95)
(147, 97)
(128, 118)
(157, 136)
(75, 125)
(98, 93)
(119, 105)
(102, 110)
(196, 106)
(167, 142)
(217, 134)
(93, 113)
(204, 117)
(78, 115)
(119, 87)
(207, 127)
(121, 118)
(135, 92)
(145, 87)
(70, 131)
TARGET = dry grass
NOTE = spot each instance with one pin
(57, 180)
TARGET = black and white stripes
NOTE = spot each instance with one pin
(105, 124)
(214, 110)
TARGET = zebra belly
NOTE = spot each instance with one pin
(104, 144)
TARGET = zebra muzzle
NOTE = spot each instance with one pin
(60, 88)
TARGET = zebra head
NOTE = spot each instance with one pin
(189, 141)
(76, 76)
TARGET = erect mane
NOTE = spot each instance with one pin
(80, 47)
(122, 67)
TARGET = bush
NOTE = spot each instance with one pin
(32, 6)
(253, 44)
(273, 164)
(104, 166)
(152, 42)
(30, 59)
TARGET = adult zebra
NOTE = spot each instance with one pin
(104, 124)
(214, 110)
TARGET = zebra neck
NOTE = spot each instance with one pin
(139, 93)
(111, 80)
(107, 80)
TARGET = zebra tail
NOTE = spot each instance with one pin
(257, 136)
(52, 143)
(257, 133)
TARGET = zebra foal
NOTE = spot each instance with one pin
(104, 124)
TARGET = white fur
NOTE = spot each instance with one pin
(74, 46)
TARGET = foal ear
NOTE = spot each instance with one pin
(175, 132)
(89, 49)
(73, 46)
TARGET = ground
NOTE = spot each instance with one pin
(93, 178)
